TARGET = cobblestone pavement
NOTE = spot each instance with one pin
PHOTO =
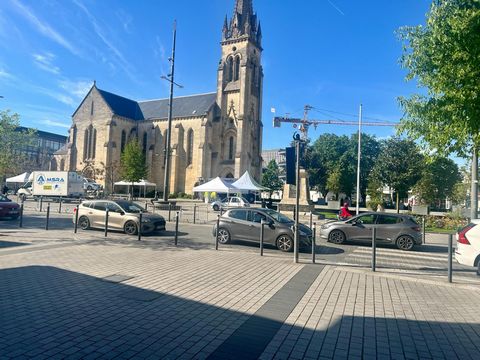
(87, 297)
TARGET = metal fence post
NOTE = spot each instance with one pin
(76, 219)
(106, 222)
(41, 204)
(20, 224)
(48, 216)
(311, 219)
(450, 256)
(146, 205)
(216, 232)
(423, 229)
(314, 236)
(140, 222)
(176, 228)
(262, 232)
(374, 249)
(169, 212)
(60, 206)
(194, 213)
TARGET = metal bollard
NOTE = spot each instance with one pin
(221, 210)
(146, 206)
(423, 230)
(311, 219)
(48, 216)
(207, 213)
(314, 236)
(216, 232)
(41, 204)
(76, 219)
(176, 228)
(60, 206)
(169, 212)
(140, 216)
(262, 232)
(374, 249)
(194, 213)
(450, 256)
(106, 222)
(20, 224)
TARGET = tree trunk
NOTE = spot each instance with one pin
(397, 205)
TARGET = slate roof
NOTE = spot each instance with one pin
(185, 106)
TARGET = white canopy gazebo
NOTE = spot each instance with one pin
(217, 185)
(22, 178)
(141, 183)
(247, 183)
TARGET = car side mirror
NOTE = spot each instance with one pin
(354, 223)
(121, 212)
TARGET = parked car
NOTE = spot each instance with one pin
(8, 208)
(244, 224)
(91, 185)
(401, 230)
(122, 215)
(233, 201)
(468, 245)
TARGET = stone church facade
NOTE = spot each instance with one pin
(213, 134)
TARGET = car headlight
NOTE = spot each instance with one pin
(146, 220)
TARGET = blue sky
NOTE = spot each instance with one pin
(331, 54)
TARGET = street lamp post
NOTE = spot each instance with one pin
(170, 78)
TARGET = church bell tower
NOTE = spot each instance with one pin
(239, 93)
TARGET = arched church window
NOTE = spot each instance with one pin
(237, 69)
(85, 144)
(189, 147)
(91, 109)
(93, 143)
(230, 148)
(123, 141)
(62, 165)
(230, 69)
(254, 76)
(144, 148)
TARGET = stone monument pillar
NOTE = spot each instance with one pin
(289, 194)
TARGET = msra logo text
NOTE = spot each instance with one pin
(55, 179)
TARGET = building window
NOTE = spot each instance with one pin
(230, 148)
(230, 69)
(237, 68)
(144, 149)
(85, 145)
(190, 147)
(93, 143)
(91, 109)
(62, 165)
(123, 141)
(89, 143)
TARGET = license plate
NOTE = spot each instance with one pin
(13, 212)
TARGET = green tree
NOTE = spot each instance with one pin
(13, 144)
(271, 178)
(439, 179)
(399, 166)
(132, 163)
(444, 58)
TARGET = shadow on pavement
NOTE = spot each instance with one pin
(8, 244)
(51, 312)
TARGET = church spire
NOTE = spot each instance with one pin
(243, 22)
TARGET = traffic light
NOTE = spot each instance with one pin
(290, 165)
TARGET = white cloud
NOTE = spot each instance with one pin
(125, 20)
(45, 62)
(55, 123)
(5, 75)
(77, 89)
(43, 27)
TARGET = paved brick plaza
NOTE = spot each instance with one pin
(120, 299)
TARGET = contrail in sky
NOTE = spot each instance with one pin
(336, 7)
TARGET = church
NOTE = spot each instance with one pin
(213, 134)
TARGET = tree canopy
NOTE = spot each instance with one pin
(444, 58)
(271, 177)
(13, 144)
(133, 167)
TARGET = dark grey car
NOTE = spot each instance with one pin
(401, 230)
(245, 224)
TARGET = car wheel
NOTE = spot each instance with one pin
(84, 223)
(130, 228)
(337, 237)
(223, 236)
(285, 243)
(216, 207)
(478, 268)
(89, 188)
(405, 242)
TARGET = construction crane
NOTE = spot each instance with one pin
(304, 124)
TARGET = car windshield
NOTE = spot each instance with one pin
(130, 207)
(277, 216)
(3, 198)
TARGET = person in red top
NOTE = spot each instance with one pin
(344, 212)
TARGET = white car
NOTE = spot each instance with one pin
(468, 245)
(233, 201)
(90, 185)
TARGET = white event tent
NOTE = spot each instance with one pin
(217, 185)
(22, 178)
(247, 183)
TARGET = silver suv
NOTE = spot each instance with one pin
(122, 215)
(245, 223)
(401, 230)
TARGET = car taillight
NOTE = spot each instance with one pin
(462, 239)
